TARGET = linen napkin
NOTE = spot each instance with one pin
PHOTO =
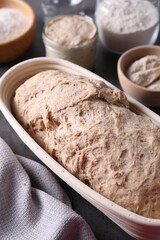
(33, 206)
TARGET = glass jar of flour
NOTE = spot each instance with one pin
(124, 24)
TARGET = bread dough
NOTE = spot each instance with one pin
(90, 130)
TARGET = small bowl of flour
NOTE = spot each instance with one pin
(124, 24)
(139, 74)
(11, 29)
(17, 24)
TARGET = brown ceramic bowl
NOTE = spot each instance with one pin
(12, 49)
(144, 95)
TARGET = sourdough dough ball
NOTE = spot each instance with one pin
(90, 130)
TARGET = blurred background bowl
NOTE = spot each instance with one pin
(148, 97)
(15, 47)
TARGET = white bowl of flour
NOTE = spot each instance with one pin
(124, 24)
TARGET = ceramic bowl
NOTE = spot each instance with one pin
(15, 47)
(148, 97)
(135, 225)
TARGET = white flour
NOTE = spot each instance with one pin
(145, 71)
(127, 23)
(12, 23)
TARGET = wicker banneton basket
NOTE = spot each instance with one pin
(137, 226)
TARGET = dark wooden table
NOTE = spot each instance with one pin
(106, 67)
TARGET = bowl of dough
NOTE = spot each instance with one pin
(17, 21)
(106, 147)
(139, 74)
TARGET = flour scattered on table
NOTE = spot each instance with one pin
(12, 23)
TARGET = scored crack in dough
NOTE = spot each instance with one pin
(90, 130)
(145, 71)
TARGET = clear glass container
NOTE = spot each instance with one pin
(124, 24)
(53, 8)
(71, 37)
